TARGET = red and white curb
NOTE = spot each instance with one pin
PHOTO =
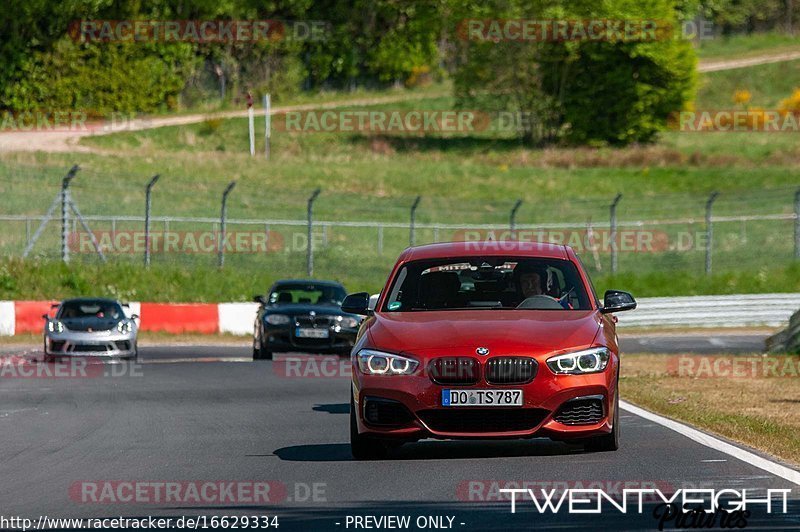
(20, 317)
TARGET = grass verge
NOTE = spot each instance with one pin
(739, 46)
(756, 410)
(177, 282)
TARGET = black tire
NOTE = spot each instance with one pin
(364, 447)
(135, 356)
(610, 441)
(259, 351)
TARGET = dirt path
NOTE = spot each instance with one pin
(67, 141)
(730, 64)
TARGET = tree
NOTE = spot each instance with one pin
(584, 91)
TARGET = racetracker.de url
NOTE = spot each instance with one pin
(198, 522)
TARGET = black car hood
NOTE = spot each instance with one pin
(295, 309)
(84, 324)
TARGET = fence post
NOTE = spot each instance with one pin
(64, 213)
(797, 224)
(709, 230)
(309, 243)
(380, 240)
(147, 193)
(222, 214)
(267, 124)
(613, 232)
(512, 219)
(412, 234)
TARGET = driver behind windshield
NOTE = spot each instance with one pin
(534, 281)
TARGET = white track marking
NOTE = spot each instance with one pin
(714, 443)
(198, 359)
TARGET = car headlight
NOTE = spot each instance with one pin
(124, 326)
(379, 363)
(591, 360)
(277, 319)
(55, 326)
(347, 322)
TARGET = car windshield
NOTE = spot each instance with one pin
(90, 309)
(308, 294)
(488, 283)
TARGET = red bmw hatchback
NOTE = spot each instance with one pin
(486, 340)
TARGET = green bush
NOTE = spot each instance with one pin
(101, 78)
(586, 92)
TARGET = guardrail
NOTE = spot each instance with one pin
(741, 310)
(773, 310)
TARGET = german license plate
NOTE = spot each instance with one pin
(308, 332)
(481, 397)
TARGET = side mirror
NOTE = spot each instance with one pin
(373, 302)
(617, 301)
(134, 316)
(45, 316)
(356, 304)
(258, 298)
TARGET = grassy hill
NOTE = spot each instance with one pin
(465, 179)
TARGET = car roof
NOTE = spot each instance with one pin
(90, 300)
(492, 248)
(283, 282)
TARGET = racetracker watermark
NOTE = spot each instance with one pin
(196, 492)
(593, 240)
(313, 367)
(416, 121)
(184, 242)
(65, 368)
(734, 366)
(61, 121)
(590, 30)
(198, 31)
(736, 120)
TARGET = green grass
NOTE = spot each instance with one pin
(738, 46)
(464, 180)
(175, 282)
(769, 84)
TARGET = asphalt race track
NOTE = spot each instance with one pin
(205, 414)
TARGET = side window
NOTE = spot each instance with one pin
(396, 294)
(591, 283)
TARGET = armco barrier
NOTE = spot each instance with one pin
(746, 310)
(749, 310)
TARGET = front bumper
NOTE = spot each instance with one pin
(283, 338)
(561, 407)
(91, 344)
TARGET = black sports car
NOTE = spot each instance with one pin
(303, 315)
